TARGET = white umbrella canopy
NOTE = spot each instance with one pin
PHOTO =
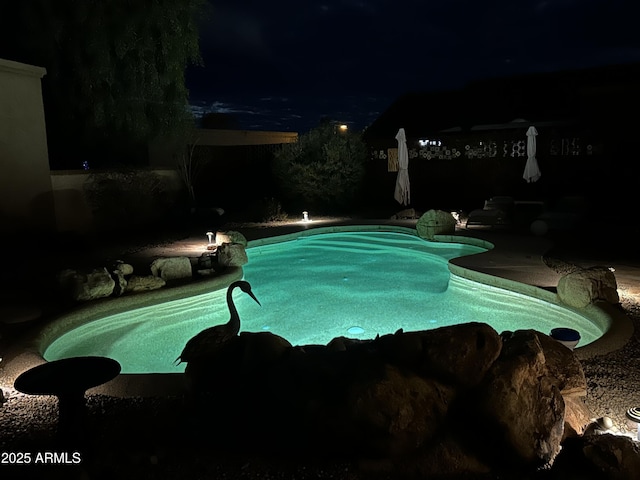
(402, 192)
(531, 169)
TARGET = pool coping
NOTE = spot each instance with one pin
(125, 385)
(620, 327)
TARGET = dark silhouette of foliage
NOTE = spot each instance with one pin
(126, 198)
(115, 70)
(323, 170)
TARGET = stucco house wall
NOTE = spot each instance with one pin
(26, 200)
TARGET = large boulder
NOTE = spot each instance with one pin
(520, 404)
(230, 236)
(582, 287)
(436, 222)
(458, 355)
(248, 355)
(172, 268)
(138, 283)
(261, 349)
(396, 412)
(615, 456)
(232, 255)
(597, 457)
(123, 268)
(577, 417)
(563, 366)
(455, 400)
(84, 286)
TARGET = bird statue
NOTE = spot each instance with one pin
(211, 339)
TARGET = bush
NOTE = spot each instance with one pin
(126, 198)
(266, 210)
(323, 170)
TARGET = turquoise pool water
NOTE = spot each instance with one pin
(317, 287)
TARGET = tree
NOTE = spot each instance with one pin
(323, 170)
(115, 70)
(189, 166)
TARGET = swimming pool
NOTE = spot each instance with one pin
(317, 287)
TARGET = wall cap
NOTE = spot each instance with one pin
(21, 68)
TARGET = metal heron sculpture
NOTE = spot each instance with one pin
(211, 339)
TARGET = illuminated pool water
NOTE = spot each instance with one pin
(317, 287)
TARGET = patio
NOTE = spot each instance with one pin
(129, 441)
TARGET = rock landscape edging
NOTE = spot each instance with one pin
(454, 400)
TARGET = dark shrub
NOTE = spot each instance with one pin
(323, 170)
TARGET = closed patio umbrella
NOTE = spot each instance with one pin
(531, 169)
(401, 193)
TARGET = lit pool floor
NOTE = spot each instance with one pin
(319, 287)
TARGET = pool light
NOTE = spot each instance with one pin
(305, 217)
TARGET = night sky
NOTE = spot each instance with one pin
(284, 64)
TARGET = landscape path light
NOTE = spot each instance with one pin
(211, 245)
(633, 414)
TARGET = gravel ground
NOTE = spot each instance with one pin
(152, 439)
(613, 380)
(136, 438)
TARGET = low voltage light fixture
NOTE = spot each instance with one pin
(633, 414)
(210, 245)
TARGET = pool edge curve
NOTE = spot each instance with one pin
(620, 327)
